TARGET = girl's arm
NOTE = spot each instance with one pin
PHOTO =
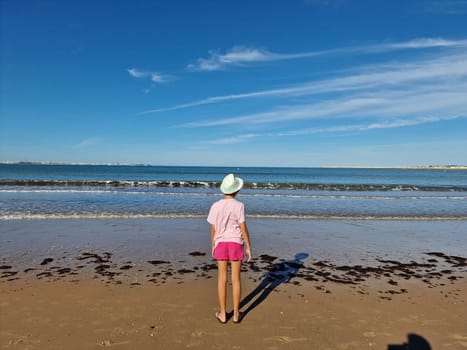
(246, 238)
(213, 233)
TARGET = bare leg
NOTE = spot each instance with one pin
(236, 288)
(222, 288)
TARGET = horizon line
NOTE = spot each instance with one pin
(123, 164)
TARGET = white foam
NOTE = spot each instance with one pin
(78, 216)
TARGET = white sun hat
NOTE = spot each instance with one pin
(231, 184)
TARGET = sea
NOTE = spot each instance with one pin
(48, 191)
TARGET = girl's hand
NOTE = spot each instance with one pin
(212, 251)
(248, 254)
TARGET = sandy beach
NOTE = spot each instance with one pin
(150, 284)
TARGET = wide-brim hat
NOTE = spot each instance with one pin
(231, 184)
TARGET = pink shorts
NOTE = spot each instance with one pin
(229, 251)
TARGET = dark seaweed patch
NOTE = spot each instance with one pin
(196, 253)
(46, 261)
(158, 262)
(6, 274)
(267, 258)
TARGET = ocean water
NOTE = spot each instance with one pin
(93, 191)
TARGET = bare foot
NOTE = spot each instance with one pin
(220, 318)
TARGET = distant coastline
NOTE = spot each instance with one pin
(59, 163)
(408, 167)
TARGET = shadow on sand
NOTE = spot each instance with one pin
(415, 342)
(280, 273)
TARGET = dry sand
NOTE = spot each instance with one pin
(92, 315)
(59, 292)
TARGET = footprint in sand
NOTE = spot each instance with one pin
(106, 342)
(197, 333)
(283, 339)
(369, 334)
(460, 339)
(109, 342)
(24, 341)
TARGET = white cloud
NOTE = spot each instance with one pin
(241, 55)
(155, 77)
(87, 143)
(422, 43)
(136, 73)
(237, 55)
(233, 139)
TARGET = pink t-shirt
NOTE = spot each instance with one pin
(226, 215)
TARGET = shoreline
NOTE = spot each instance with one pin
(144, 239)
(355, 254)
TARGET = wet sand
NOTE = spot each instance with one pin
(145, 284)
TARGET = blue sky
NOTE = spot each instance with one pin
(236, 83)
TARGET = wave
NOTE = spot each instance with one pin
(253, 185)
(263, 195)
(79, 216)
(105, 191)
(107, 183)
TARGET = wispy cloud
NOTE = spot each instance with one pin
(234, 139)
(87, 143)
(423, 43)
(397, 123)
(383, 104)
(241, 55)
(379, 105)
(154, 76)
(342, 128)
(237, 55)
(383, 96)
(300, 112)
(386, 90)
(448, 65)
(420, 89)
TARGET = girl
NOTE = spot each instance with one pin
(228, 235)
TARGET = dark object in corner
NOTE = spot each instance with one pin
(415, 342)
